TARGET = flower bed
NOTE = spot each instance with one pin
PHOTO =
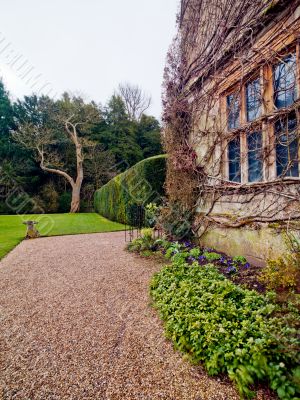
(228, 328)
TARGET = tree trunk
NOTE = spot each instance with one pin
(76, 186)
(75, 204)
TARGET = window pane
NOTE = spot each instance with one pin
(233, 111)
(234, 158)
(253, 99)
(285, 82)
(255, 157)
(287, 146)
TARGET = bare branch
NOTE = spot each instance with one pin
(53, 170)
(135, 100)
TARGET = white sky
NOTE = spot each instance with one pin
(85, 46)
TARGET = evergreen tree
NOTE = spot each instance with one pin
(118, 134)
(6, 123)
(148, 136)
(115, 141)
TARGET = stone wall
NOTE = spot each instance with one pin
(257, 245)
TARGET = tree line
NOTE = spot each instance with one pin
(60, 151)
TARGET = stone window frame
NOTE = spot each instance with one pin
(265, 123)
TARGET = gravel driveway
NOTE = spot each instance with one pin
(75, 323)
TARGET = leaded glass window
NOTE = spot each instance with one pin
(285, 82)
(253, 99)
(255, 157)
(233, 111)
(234, 160)
(287, 146)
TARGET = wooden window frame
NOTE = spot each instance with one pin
(298, 92)
(251, 78)
(260, 132)
(286, 117)
(298, 68)
(272, 167)
(240, 122)
(267, 126)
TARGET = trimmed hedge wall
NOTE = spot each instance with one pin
(141, 184)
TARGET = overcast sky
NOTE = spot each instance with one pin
(85, 46)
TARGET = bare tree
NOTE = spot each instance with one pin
(136, 101)
(44, 135)
(101, 166)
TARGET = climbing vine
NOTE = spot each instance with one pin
(220, 47)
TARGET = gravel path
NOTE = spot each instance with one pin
(75, 323)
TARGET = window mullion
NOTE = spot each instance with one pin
(268, 127)
(224, 125)
(298, 69)
(244, 152)
(264, 128)
(265, 146)
(268, 104)
(298, 132)
(244, 158)
(271, 151)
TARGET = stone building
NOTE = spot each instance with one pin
(242, 84)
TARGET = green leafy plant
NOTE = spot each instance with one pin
(163, 243)
(143, 243)
(283, 273)
(211, 256)
(280, 274)
(239, 260)
(195, 252)
(146, 253)
(180, 256)
(147, 233)
(151, 214)
(174, 248)
(228, 328)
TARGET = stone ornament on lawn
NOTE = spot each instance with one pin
(32, 232)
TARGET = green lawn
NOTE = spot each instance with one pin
(12, 231)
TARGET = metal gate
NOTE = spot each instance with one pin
(135, 222)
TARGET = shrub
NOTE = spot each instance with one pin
(134, 246)
(151, 214)
(64, 202)
(230, 329)
(49, 197)
(143, 243)
(140, 185)
(4, 209)
(284, 272)
(163, 243)
(146, 253)
(147, 233)
(176, 221)
(173, 249)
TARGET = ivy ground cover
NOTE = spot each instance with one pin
(224, 326)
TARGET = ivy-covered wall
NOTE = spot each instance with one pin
(141, 184)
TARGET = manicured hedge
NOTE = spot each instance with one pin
(141, 184)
